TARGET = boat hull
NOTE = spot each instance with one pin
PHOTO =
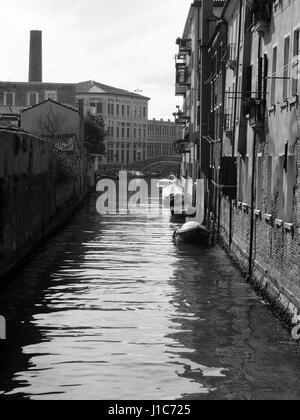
(197, 235)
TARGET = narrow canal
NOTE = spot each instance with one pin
(111, 309)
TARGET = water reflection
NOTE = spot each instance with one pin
(110, 308)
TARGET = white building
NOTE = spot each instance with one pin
(126, 118)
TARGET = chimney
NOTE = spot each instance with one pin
(35, 57)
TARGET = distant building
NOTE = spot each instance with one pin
(161, 138)
(126, 118)
(16, 96)
(53, 120)
(65, 126)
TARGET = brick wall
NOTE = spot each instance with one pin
(276, 251)
(32, 203)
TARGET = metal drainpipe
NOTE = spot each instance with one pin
(253, 184)
(253, 196)
(222, 140)
(199, 52)
(235, 112)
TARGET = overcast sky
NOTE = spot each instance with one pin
(128, 44)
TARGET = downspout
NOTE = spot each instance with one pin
(253, 184)
(199, 51)
(222, 139)
(235, 112)
(253, 196)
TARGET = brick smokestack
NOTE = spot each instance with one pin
(35, 57)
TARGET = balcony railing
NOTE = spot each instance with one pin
(181, 61)
(260, 13)
(228, 123)
(183, 77)
(185, 45)
(180, 90)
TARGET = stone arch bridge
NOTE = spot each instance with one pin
(161, 164)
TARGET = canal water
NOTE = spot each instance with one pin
(111, 309)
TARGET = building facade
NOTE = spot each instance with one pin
(16, 96)
(192, 74)
(126, 118)
(162, 136)
(249, 139)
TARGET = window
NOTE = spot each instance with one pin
(128, 110)
(110, 109)
(123, 110)
(274, 75)
(128, 133)
(9, 98)
(32, 99)
(295, 69)
(286, 69)
(51, 94)
(144, 112)
(123, 132)
(118, 109)
(99, 108)
(118, 132)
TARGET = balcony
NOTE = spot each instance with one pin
(255, 109)
(180, 90)
(181, 61)
(228, 124)
(230, 56)
(183, 77)
(260, 13)
(182, 147)
(185, 45)
(182, 119)
(187, 133)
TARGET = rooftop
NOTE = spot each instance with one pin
(95, 87)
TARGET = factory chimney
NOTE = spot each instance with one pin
(35, 57)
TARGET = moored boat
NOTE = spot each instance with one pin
(193, 233)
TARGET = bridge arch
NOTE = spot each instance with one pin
(156, 162)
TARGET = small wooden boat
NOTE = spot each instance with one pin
(193, 233)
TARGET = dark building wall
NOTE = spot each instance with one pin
(66, 93)
(32, 201)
